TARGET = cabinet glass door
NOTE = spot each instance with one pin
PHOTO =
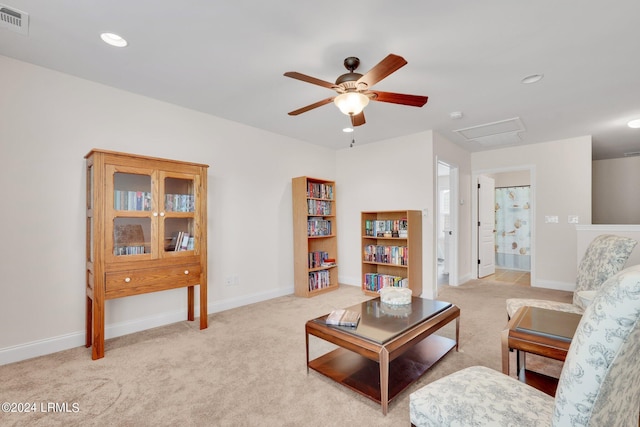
(131, 203)
(177, 220)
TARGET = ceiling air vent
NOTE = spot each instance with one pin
(14, 20)
(504, 132)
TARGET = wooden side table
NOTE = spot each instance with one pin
(538, 331)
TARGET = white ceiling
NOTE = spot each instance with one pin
(228, 58)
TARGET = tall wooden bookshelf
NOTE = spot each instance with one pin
(391, 250)
(315, 238)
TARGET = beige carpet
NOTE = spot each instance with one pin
(246, 369)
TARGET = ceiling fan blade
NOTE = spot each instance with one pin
(311, 106)
(399, 98)
(309, 79)
(385, 67)
(358, 119)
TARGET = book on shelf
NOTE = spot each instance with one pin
(343, 317)
(318, 226)
(179, 202)
(317, 258)
(319, 280)
(319, 190)
(185, 242)
(376, 281)
(386, 228)
(318, 207)
(180, 241)
(131, 200)
(396, 255)
(328, 262)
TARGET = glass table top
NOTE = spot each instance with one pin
(553, 324)
(381, 322)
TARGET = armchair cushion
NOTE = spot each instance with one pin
(605, 256)
(479, 396)
(599, 384)
(600, 380)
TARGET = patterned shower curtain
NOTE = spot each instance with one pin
(513, 233)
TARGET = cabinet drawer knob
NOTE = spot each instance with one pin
(127, 279)
(161, 213)
(186, 272)
(155, 214)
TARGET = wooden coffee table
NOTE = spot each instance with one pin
(538, 331)
(390, 349)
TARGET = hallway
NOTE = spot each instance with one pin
(515, 277)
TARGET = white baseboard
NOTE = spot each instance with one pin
(346, 280)
(76, 339)
(550, 284)
(462, 279)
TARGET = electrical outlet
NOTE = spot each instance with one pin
(573, 219)
(551, 219)
(228, 281)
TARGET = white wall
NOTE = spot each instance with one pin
(396, 174)
(452, 154)
(615, 191)
(48, 122)
(562, 182)
(512, 179)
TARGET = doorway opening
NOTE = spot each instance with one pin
(447, 224)
(513, 254)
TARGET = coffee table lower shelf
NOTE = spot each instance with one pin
(362, 375)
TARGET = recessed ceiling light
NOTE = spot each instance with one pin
(113, 39)
(533, 78)
(347, 130)
(635, 124)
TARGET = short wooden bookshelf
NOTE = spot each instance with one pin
(391, 250)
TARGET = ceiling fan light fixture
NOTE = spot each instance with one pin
(351, 103)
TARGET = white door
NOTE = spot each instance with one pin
(486, 226)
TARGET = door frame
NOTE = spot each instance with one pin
(474, 213)
(454, 192)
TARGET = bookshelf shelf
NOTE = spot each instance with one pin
(146, 232)
(391, 250)
(314, 235)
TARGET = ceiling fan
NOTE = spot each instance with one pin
(354, 88)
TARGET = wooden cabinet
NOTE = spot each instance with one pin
(315, 246)
(146, 232)
(391, 250)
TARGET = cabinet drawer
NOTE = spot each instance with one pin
(133, 282)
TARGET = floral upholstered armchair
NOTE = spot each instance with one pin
(599, 384)
(605, 256)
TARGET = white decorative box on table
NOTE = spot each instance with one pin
(395, 296)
